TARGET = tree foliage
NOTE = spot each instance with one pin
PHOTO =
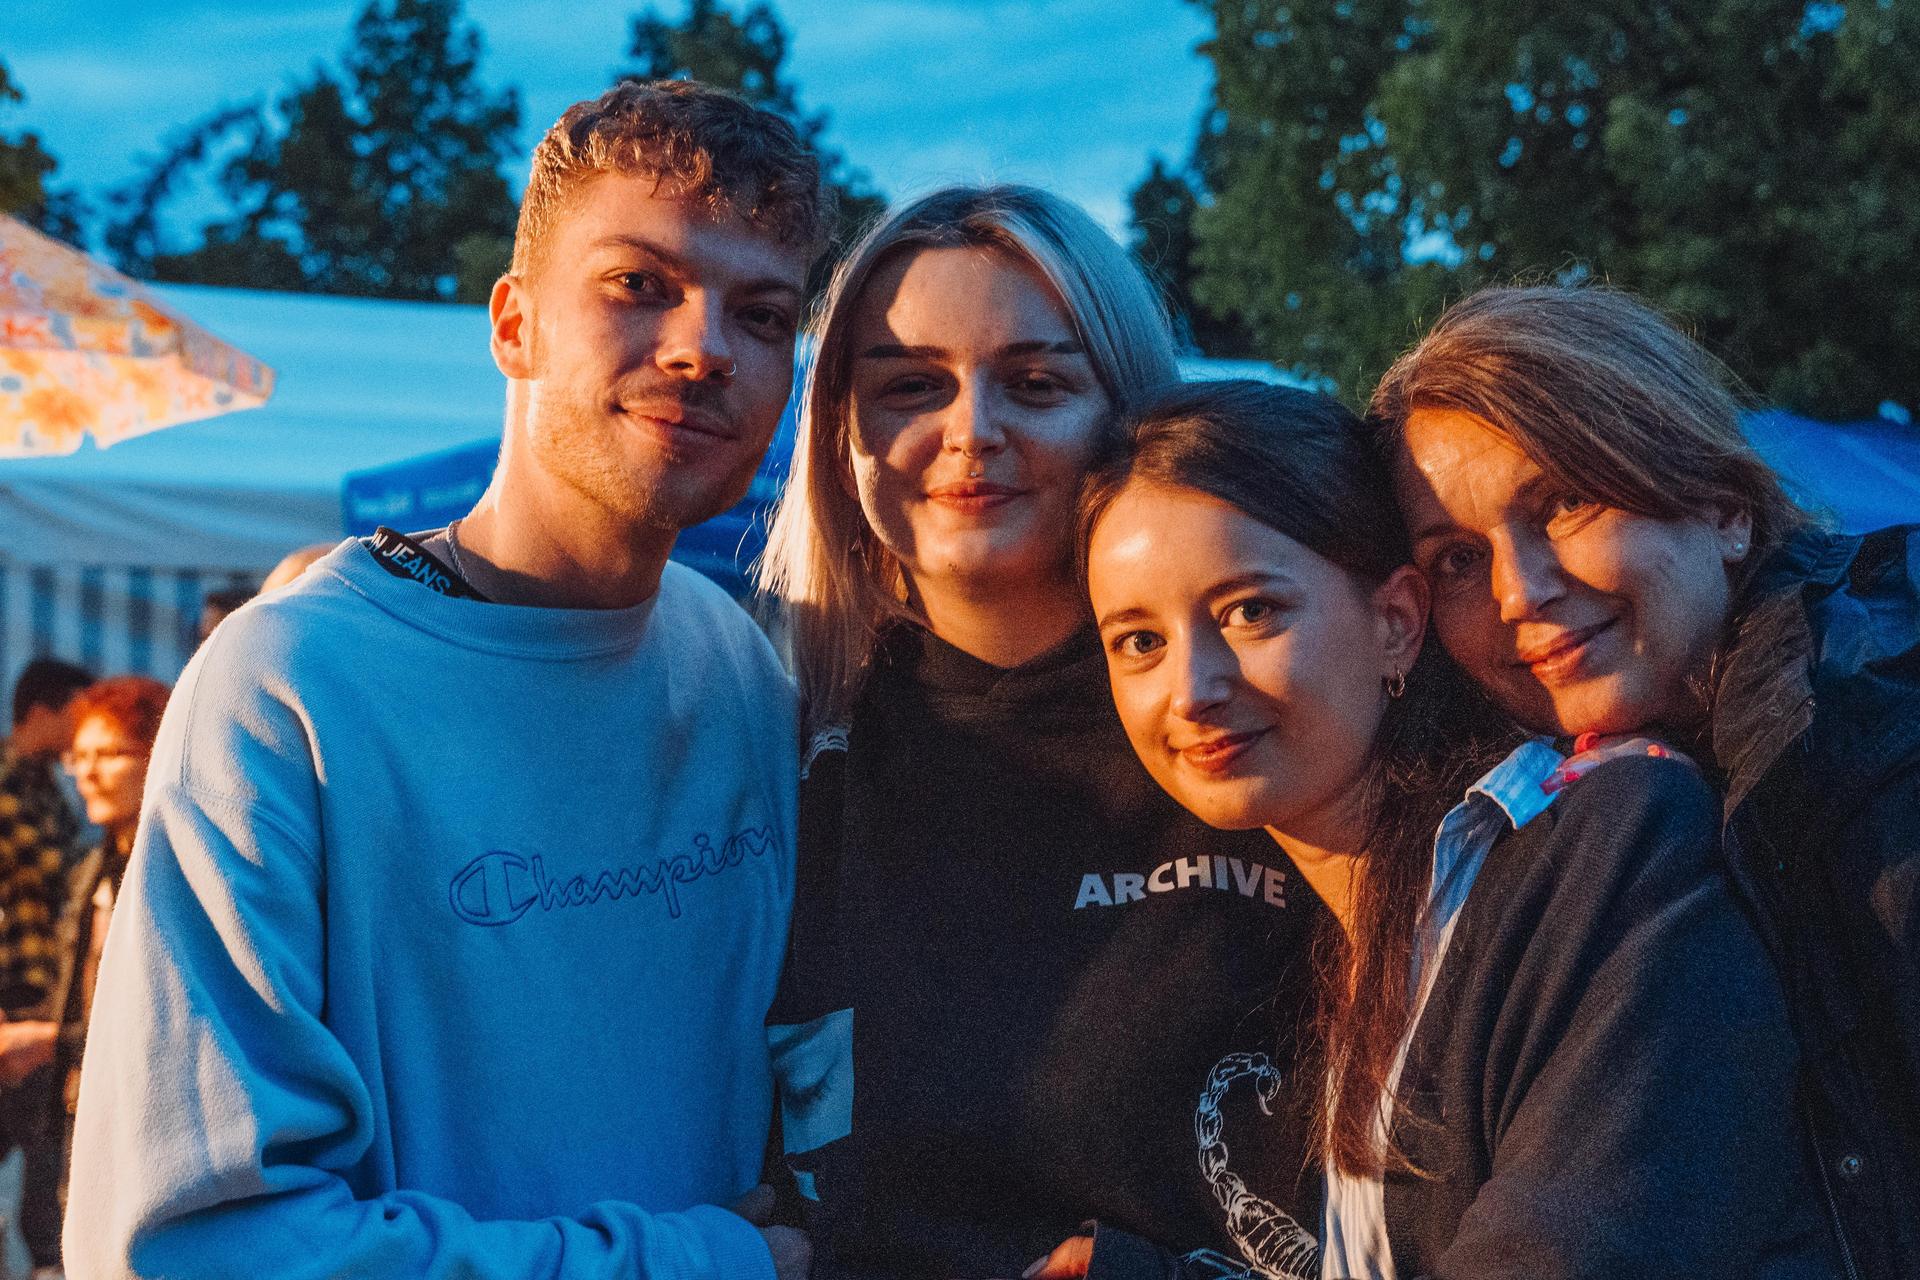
(1752, 166)
(746, 54)
(383, 180)
(25, 167)
(1160, 213)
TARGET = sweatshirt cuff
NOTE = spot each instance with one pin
(738, 1250)
(1121, 1255)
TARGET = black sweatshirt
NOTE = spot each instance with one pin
(1069, 999)
(1602, 1084)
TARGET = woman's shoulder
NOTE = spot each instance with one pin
(1627, 821)
(1824, 651)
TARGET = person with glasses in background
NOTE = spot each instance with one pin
(114, 724)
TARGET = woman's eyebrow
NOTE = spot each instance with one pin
(899, 351)
(1036, 346)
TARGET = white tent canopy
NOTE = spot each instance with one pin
(104, 554)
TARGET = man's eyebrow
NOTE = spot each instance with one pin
(772, 284)
(1037, 346)
(1431, 529)
(626, 240)
(680, 266)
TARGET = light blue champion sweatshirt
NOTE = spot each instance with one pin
(446, 945)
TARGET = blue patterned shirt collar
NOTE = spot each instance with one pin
(1507, 796)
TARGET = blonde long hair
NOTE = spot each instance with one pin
(832, 583)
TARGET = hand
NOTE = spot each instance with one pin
(756, 1206)
(1069, 1261)
(792, 1251)
(1591, 750)
(25, 1047)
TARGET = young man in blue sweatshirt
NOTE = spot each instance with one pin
(464, 873)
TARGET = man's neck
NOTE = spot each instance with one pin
(557, 551)
(1007, 624)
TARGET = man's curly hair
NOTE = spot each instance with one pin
(696, 142)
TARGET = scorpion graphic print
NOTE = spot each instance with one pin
(1272, 1245)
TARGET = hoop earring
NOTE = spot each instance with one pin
(1396, 684)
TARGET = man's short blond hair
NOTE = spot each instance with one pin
(697, 142)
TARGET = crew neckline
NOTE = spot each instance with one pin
(528, 631)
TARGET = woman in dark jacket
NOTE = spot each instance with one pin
(1610, 556)
(1025, 989)
(1554, 1043)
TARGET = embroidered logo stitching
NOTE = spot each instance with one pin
(499, 887)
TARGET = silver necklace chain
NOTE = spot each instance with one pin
(453, 553)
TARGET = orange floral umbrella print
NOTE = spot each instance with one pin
(83, 349)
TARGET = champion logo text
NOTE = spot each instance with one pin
(499, 887)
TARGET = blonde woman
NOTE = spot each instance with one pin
(1025, 990)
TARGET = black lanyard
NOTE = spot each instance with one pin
(403, 557)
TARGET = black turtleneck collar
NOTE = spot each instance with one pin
(913, 653)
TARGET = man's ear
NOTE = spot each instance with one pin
(512, 327)
(1400, 604)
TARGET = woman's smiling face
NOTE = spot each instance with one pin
(1248, 670)
(1575, 616)
(975, 413)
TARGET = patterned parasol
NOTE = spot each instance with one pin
(83, 348)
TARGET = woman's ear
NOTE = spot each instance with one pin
(1735, 529)
(1400, 605)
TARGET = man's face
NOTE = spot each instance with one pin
(654, 339)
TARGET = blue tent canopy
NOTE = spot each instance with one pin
(1863, 475)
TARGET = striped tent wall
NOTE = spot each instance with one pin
(112, 620)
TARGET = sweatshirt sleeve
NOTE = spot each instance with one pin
(810, 1025)
(219, 1115)
(1641, 1078)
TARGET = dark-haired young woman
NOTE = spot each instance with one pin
(1555, 1045)
(1608, 555)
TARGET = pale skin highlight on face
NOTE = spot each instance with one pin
(1575, 616)
(974, 415)
(1249, 671)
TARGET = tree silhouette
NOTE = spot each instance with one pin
(1750, 165)
(383, 180)
(745, 54)
(25, 167)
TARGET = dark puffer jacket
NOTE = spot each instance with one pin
(1817, 726)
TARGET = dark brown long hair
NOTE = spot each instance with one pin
(1300, 463)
